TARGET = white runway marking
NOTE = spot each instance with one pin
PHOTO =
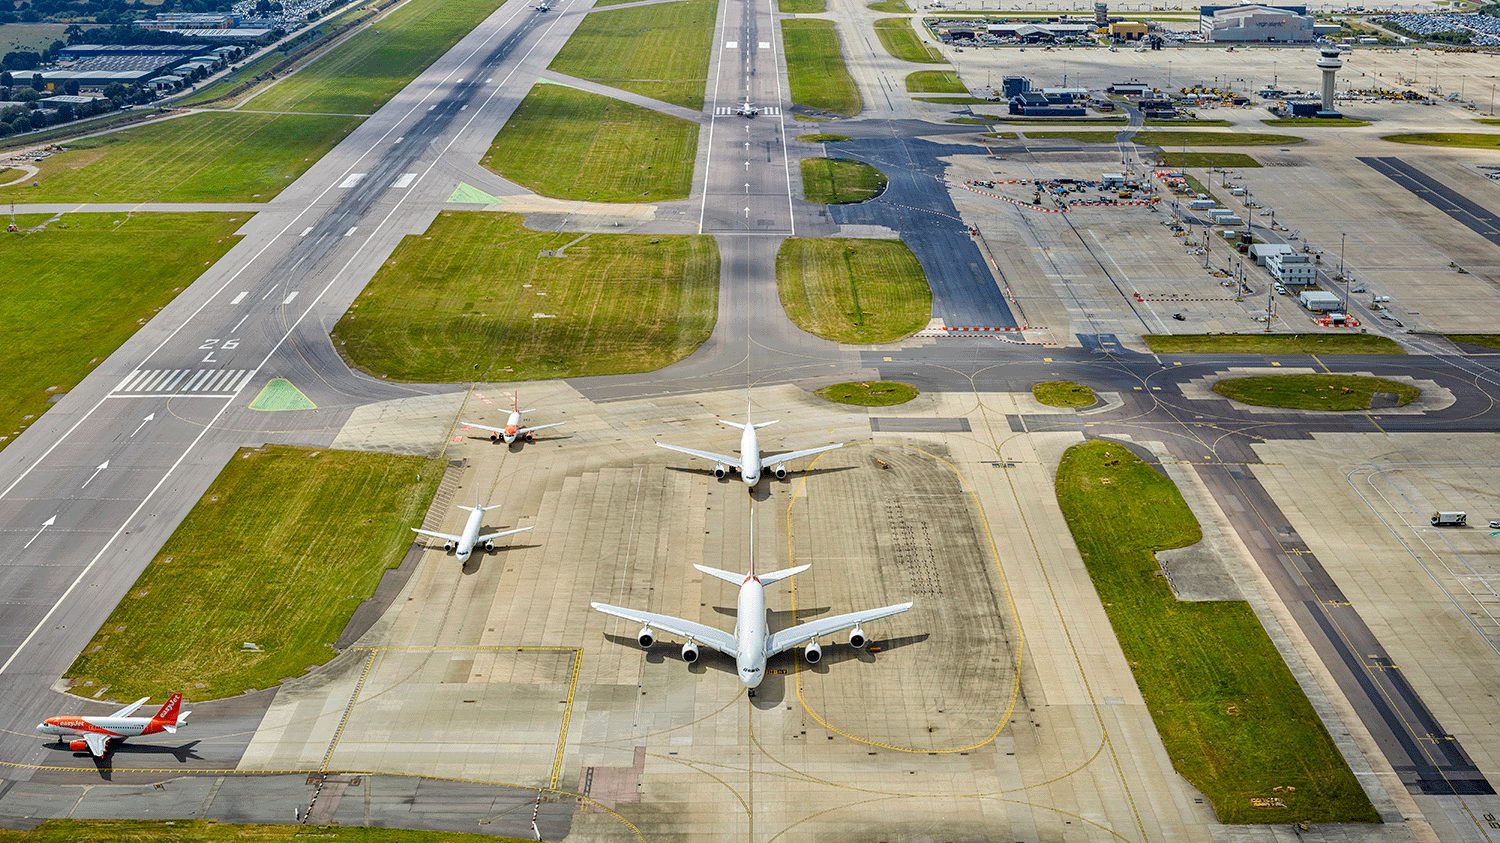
(239, 323)
(352, 179)
(289, 297)
(731, 45)
(765, 45)
(398, 140)
(306, 231)
(239, 298)
(351, 230)
(405, 181)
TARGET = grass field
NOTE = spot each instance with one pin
(359, 75)
(894, 7)
(1002, 135)
(1482, 340)
(29, 37)
(1060, 121)
(198, 158)
(1233, 719)
(1184, 121)
(953, 100)
(901, 41)
(1063, 394)
(1271, 344)
(869, 393)
(279, 551)
(802, 7)
(1207, 159)
(208, 831)
(834, 181)
(659, 51)
(7, 174)
(1314, 392)
(614, 303)
(1463, 140)
(572, 144)
(1316, 122)
(853, 291)
(935, 82)
(815, 68)
(968, 121)
(1166, 139)
(77, 290)
(822, 137)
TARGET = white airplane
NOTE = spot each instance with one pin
(749, 463)
(99, 732)
(463, 545)
(752, 641)
(746, 109)
(513, 429)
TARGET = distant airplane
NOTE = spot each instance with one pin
(543, 6)
(750, 462)
(513, 429)
(462, 545)
(752, 642)
(746, 109)
(99, 732)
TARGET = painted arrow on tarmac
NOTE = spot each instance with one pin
(45, 524)
(102, 466)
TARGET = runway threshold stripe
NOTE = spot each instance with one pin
(405, 181)
(151, 382)
(197, 378)
(352, 180)
(239, 298)
(173, 380)
(220, 376)
(290, 296)
(243, 380)
(130, 378)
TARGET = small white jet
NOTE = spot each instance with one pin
(750, 463)
(543, 6)
(98, 732)
(752, 642)
(463, 544)
(746, 109)
(513, 429)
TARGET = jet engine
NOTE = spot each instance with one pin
(531, 437)
(813, 652)
(689, 652)
(494, 437)
(489, 547)
(780, 472)
(646, 637)
(450, 546)
(78, 746)
(857, 638)
(720, 471)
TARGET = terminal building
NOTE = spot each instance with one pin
(1253, 24)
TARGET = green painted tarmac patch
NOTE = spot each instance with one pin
(468, 194)
(279, 396)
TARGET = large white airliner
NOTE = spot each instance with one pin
(513, 429)
(749, 463)
(463, 545)
(752, 642)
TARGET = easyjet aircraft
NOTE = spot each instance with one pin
(98, 732)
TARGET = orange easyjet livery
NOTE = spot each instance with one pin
(97, 733)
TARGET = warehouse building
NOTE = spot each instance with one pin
(1253, 24)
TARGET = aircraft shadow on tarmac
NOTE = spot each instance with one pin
(476, 559)
(762, 490)
(126, 751)
(519, 445)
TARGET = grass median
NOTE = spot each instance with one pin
(1176, 139)
(935, 82)
(78, 286)
(869, 393)
(1065, 394)
(1207, 159)
(851, 290)
(1481, 340)
(834, 181)
(1232, 717)
(1271, 344)
(208, 157)
(279, 551)
(815, 68)
(1316, 391)
(212, 831)
(901, 41)
(802, 7)
(571, 144)
(1317, 122)
(360, 74)
(659, 51)
(499, 303)
(1461, 140)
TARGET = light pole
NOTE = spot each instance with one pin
(1342, 277)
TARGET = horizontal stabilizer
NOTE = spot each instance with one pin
(726, 576)
(784, 573)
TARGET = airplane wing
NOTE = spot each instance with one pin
(489, 537)
(445, 536)
(130, 709)
(534, 428)
(703, 455)
(778, 459)
(483, 427)
(805, 632)
(716, 639)
(98, 744)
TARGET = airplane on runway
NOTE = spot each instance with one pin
(752, 642)
(746, 109)
(543, 6)
(463, 545)
(750, 462)
(513, 429)
(99, 732)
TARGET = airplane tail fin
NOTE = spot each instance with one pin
(167, 714)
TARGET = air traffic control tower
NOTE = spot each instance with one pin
(1329, 62)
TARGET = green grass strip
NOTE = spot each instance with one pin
(1316, 122)
(1065, 394)
(1271, 344)
(1232, 717)
(901, 41)
(833, 181)
(815, 68)
(659, 51)
(1207, 159)
(1461, 140)
(1482, 340)
(571, 144)
(497, 303)
(1177, 139)
(802, 7)
(935, 82)
(869, 393)
(851, 290)
(280, 550)
(1314, 391)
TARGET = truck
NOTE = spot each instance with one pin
(1450, 519)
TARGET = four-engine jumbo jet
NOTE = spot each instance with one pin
(513, 429)
(462, 545)
(750, 462)
(99, 732)
(752, 641)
